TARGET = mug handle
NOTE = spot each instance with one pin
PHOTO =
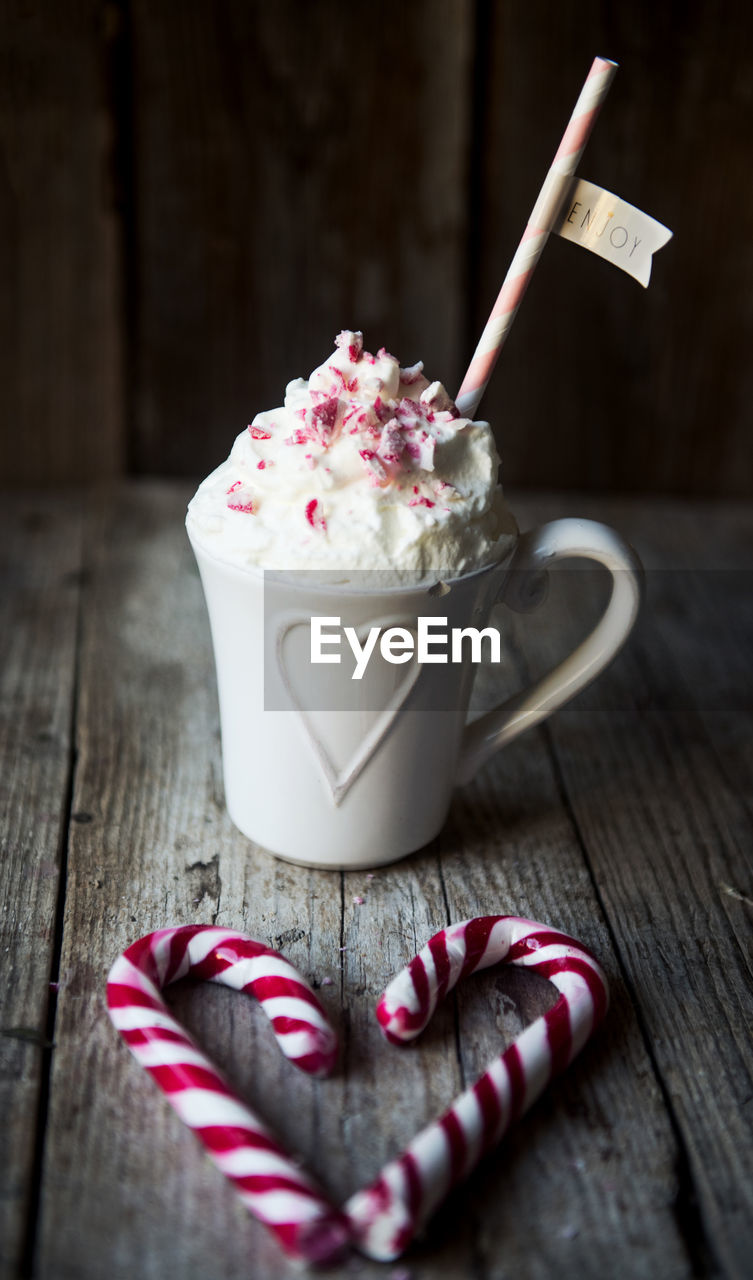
(523, 588)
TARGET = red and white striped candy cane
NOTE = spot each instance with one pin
(273, 1188)
(386, 1216)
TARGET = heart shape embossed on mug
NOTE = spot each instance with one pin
(340, 775)
(381, 1220)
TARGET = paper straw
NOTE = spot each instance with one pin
(536, 234)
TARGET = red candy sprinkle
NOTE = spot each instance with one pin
(256, 433)
(392, 442)
(412, 374)
(363, 417)
(355, 347)
(320, 421)
(233, 487)
(435, 397)
(382, 411)
(411, 413)
(346, 385)
(326, 412)
(315, 515)
(248, 507)
(376, 472)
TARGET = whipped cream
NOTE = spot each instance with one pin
(366, 466)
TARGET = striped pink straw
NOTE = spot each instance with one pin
(536, 234)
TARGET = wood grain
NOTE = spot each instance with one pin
(626, 821)
(40, 572)
(61, 317)
(122, 1176)
(299, 170)
(569, 1185)
(194, 199)
(662, 807)
(602, 384)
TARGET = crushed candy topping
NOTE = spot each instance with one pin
(315, 515)
(376, 457)
(396, 416)
(436, 398)
(418, 499)
(243, 502)
(374, 469)
(412, 374)
(353, 342)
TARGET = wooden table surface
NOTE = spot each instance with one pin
(626, 821)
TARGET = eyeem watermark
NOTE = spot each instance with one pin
(431, 642)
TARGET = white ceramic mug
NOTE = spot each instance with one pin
(367, 777)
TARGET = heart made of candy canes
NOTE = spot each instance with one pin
(381, 1220)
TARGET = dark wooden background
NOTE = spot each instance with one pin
(196, 196)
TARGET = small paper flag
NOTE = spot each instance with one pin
(602, 222)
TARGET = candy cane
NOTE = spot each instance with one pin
(386, 1216)
(274, 1189)
(383, 1219)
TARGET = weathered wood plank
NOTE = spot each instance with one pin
(269, 196)
(60, 306)
(603, 385)
(663, 809)
(122, 1176)
(285, 189)
(585, 1184)
(40, 564)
